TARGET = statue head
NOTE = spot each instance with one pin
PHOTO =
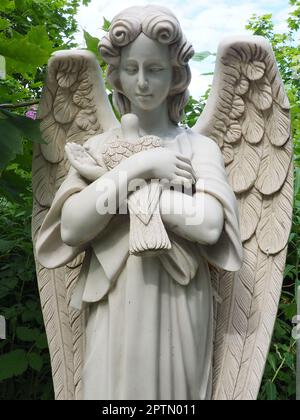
(149, 25)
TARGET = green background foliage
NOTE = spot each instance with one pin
(30, 31)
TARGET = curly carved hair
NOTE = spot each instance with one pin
(159, 24)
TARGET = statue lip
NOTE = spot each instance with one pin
(143, 95)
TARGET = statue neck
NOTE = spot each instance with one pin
(156, 121)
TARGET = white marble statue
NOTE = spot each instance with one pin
(175, 298)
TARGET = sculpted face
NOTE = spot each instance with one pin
(145, 72)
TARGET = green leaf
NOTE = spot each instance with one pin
(271, 391)
(7, 284)
(91, 42)
(106, 25)
(28, 127)
(10, 142)
(7, 5)
(289, 270)
(13, 186)
(27, 334)
(13, 364)
(289, 310)
(272, 361)
(289, 361)
(12, 91)
(6, 246)
(24, 53)
(13, 128)
(35, 361)
(42, 342)
(4, 24)
(200, 56)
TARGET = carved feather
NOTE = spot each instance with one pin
(253, 126)
(54, 135)
(275, 222)
(64, 108)
(228, 154)
(38, 215)
(237, 321)
(260, 94)
(273, 167)
(77, 322)
(260, 171)
(250, 205)
(234, 132)
(43, 178)
(238, 107)
(242, 171)
(254, 70)
(224, 288)
(278, 125)
(56, 317)
(264, 307)
(242, 86)
(74, 107)
(45, 104)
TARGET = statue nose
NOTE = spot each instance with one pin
(142, 82)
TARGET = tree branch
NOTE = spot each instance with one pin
(19, 105)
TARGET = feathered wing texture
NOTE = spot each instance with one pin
(74, 106)
(247, 114)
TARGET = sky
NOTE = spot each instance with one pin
(204, 22)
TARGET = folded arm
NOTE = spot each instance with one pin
(87, 213)
(197, 218)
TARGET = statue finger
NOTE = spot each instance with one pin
(187, 167)
(186, 174)
(183, 158)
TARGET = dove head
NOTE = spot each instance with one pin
(148, 32)
(130, 127)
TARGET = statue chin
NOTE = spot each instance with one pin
(141, 284)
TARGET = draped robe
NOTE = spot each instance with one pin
(149, 332)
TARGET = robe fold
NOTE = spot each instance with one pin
(149, 333)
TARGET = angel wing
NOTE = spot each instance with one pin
(74, 106)
(247, 114)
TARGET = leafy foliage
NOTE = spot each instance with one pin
(13, 128)
(279, 380)
(201, 56)
(30, 30)
(24, 359)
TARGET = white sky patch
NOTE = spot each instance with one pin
(205, 24)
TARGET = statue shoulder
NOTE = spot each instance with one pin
(205, 147)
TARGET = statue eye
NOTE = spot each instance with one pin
(131, 69)
(156, 69)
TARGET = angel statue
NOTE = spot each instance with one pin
(160, 249)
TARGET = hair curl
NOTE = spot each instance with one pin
(159, 24)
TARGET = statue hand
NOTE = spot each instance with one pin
(83, 162)
(162, 163)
